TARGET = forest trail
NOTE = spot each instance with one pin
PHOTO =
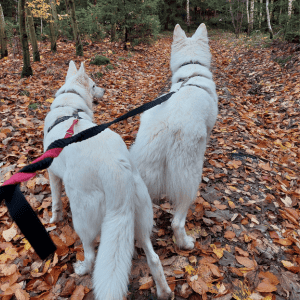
(246, 215)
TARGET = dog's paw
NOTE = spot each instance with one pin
(165, 294)
(56, 217)
(188, 243)
(80, 268)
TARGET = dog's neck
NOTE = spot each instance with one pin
(189, 70)
(73, 103)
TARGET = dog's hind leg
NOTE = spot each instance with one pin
(143, 228)
(57, 207)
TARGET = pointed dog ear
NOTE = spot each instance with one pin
(178, 34)
(72, 70)
(201, 32)
(82, 70)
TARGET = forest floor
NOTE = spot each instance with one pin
(246, 215)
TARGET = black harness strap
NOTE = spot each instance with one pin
(59, 120)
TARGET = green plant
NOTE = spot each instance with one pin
(24, 93)
(100, 60)
(98, 74)
(283, 60)
(110, 67)
(33, 106)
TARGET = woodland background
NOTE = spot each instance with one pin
(246, 214)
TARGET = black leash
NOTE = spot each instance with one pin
(19, 209)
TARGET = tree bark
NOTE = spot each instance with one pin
(35, 50)
(3, 41)
(27, 71)
(70, 4)
(232, 18)
(52, 29)
(290, 8)
(188, 15)
(113, 32)
(260, 14)
(251, 15)
(268, 19)
(54, 15)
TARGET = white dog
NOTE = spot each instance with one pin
(106, 192)
(171, 141)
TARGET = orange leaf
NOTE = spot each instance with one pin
(266, 287)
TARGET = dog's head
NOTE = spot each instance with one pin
(193, 49)
(80, 83)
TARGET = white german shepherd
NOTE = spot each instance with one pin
(106, 192)
(171, 141)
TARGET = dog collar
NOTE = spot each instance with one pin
(59, 120)
(191, 63)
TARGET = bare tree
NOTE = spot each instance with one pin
(35, 50)
(260, 14)
(188, 14)
(27, 71)
(251, 16)
(290, 8)
(70, 4)
(3, 41)
(268, 19)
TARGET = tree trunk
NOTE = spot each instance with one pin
(188, 15)
(126, 38)
(52, 29)
(54, 15)
(271, 8)
(3, 41)
(247, 11)
(35, 50)
(27, 71)
(268, 19)
(113, 32)
(70, 4)
(290, 8)
(260, 14)
(232, 19)
(251, 15)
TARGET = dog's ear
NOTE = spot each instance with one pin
(201, 32)
(82, 69)
(178, 34)
(72, 70)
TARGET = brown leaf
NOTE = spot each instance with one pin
(229, 235)
(78, 293)
(245, 261)
(266, 287)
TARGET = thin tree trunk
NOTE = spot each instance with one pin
(113, 32)
(232, 18)
(290, 8)
(251, 15)
(27, 71)
(35, 50)
(3, 41)
(260, 14)
(247, 11)
(271, 8)
(52, 30)
(54, 15)
(268, 19)
(70, 4)
(188, 14)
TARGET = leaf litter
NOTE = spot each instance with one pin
(246, 215)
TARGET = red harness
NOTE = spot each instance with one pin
(20, 177)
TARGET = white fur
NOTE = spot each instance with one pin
(171, 141)
(105, 190)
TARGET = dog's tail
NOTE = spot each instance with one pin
(113, 262)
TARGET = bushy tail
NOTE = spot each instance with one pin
(113, 262)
